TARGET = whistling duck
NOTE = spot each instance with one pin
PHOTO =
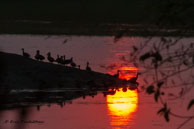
(38, 56)
(134, 79)
(25, 54)
(68, 61)
(63, 60)
(50, 59)
(58, 59)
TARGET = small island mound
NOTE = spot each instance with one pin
(18, 72)
(29, 80)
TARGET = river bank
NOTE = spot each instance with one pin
(25, 80)
(97, 17)
(37, 27)
(21, 72)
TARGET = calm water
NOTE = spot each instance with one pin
(124, 110)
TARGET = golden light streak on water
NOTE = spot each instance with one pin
(121, 106)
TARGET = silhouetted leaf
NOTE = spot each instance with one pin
(161, 111)
(164, 112)
(150, 89)
(156, 95)
(160, 84)
(190, 104)
(166, 115)
(145, 56)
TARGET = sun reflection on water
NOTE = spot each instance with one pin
(121, 107)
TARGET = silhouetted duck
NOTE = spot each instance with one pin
(25, 54)
(61, 60)
(68, 61)
(58, 59)
(50, 59)
(88, 67)
(134, 79)
(38, 56)
(117, 74)
(78, 66)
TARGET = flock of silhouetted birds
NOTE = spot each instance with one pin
(60, 59)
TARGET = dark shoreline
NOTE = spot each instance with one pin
(43, 75)
(91, 29)
(26, 82)
(98, 17)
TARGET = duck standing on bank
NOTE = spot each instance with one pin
(50, 58)
(38, 56)
(88, 67)
(58, 60)
(68, 61)
(117, 74)
(133, 80)
(25, 54)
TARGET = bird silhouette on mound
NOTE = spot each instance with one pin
(50, 58)
(88, 67)
(134, 79)
(25, 54)
(117, 74)
(68, 61)
(38, 56)
(58, 60)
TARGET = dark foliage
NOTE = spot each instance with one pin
(190, 104)
(150, 89)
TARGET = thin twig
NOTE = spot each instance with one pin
(186, 121)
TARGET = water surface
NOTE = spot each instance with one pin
(123, 110)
